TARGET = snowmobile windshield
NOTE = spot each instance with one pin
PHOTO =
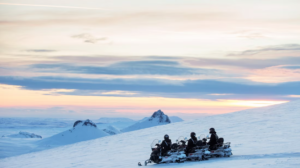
(201, 136)
(179, 140)
(154, 143)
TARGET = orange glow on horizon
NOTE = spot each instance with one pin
(15, 96)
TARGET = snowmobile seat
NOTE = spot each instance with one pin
(199, 143)
(220, 142)
(174, 146)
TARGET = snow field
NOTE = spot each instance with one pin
(262, 137)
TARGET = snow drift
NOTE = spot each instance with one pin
(262, 137)
(157, 118)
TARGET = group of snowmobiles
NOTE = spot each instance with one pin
(194, 149)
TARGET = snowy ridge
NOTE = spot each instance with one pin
(262, 137)
(144, 119)
(113, 120)
(157, 118)
(82, 131)
(23, 135)
(111, 130)
(175, 119)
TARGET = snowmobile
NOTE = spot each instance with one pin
(202, 152)
(181, 142)
(198, 152)
(222, 149)
(178, 153)
(173, 156)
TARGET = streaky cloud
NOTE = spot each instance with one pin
(40, 50)
(171, 68)
(283, 47)
(244, 62)
(291, 67)
(88, 38)
(154, 87)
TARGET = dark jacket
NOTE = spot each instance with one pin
(166, 146)
(213, 140)
(191, 144)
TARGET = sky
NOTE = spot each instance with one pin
(190, 58)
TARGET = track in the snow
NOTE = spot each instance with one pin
(260, 156)
(236, 157)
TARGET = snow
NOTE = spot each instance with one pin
(119, 123)
(262, 137)
(175, 119)
(111, 130)
(82, 131)
(144, 119)
(157, 118)
(113, 120)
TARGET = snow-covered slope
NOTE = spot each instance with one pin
(175, 119)
(82, 131)
(144, 119)
(262, 137)
(23, 135)
(111, 130)
(113, 120)
(157, 118)
(119, 123)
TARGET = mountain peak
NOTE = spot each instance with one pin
(157, 114)
(161, 116)
(157, 118)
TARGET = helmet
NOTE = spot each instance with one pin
(193, 134)
(212, 130)
(166, 137)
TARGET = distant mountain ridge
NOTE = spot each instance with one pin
(113, 120)
(23, 134)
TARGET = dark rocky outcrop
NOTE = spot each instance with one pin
(77, 122)
(85, 123)
(89, 123)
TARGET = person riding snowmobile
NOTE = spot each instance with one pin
(191, 143)
(166, 145)
(213, 139)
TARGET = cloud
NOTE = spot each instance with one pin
(291, 67)
(249, 63)
(52, 6)
(88, 38)
(249, 34)
(156, 67)
(284, 47)
(210, 89)
(40, 50)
